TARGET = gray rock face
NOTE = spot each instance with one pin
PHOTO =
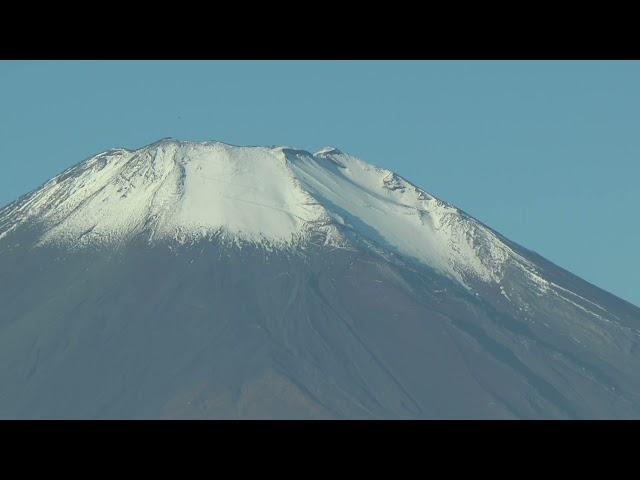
(209, 328)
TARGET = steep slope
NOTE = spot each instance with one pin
(205, 280)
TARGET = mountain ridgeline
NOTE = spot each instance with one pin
(204, 280)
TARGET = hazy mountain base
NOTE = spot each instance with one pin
(205, 331)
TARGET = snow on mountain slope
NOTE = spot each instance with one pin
(172, 189)
(392, 212)
(273, 196)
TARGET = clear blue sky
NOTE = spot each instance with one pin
(547, 153)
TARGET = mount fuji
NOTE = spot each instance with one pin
(205, 280)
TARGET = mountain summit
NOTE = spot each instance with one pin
(206, 280)
(276, 197)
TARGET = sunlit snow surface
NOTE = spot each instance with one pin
(204, 280)
(273, 196)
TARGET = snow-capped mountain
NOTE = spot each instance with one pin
(204, 280)
(274, 197)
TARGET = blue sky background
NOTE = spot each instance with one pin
(547, 153)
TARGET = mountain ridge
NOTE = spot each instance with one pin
(203, 280)
(302, 195)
